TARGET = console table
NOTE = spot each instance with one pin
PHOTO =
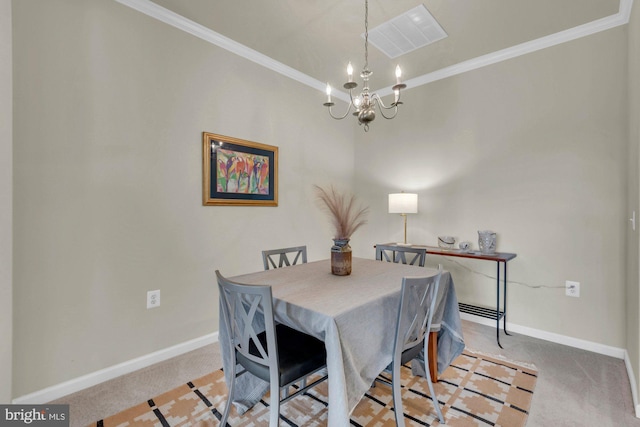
(499, 258)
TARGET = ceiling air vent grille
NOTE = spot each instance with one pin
(407, 32)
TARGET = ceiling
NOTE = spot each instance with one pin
(319, 37)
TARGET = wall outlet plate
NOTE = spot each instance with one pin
(153, 299)
(572, 289)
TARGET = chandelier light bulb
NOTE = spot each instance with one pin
(398, 74)
(350, 72)
(328, 90)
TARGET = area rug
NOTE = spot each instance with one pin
(476, 390)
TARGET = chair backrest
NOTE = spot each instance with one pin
(399, 254)
(268, 257)
(417, 301)
(247, 311)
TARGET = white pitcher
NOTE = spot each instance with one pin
(487, 241)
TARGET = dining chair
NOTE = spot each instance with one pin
(392, 253)
(417, 301)
(268, 257)
(278, 354)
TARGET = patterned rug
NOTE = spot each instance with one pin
(476, 390)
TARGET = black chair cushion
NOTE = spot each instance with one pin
(300, 354)
(411, 353)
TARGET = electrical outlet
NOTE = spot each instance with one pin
(153, 299)
(572, 289)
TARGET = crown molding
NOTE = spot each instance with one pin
(162, 14)
(593, 27)
(165, 15)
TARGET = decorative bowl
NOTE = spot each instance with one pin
(446, 242)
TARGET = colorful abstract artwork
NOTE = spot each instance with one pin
(239, 172)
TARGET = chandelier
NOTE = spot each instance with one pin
(364, 104)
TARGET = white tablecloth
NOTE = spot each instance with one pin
(355, 316)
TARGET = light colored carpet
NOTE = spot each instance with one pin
(476, 390)
(120, 393)
(574, 388)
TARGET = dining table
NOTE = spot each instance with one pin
(355, 316)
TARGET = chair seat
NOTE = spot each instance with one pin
(411, 353)
(299, 355)
(408, 355)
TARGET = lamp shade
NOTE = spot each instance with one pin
(403, 203)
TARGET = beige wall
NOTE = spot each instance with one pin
(633, 281)
(6, 195)
(535, 149)
(110, 106)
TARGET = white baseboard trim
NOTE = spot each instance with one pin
(632, 383)
(618, 353)
(606, 350)
(57, 391)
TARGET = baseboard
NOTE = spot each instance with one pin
(618, 353)
(57, 391)
(632, 383)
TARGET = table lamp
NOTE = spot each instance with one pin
(403, 203)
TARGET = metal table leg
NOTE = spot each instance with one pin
(505, 300)
(499, 311)
(498, 304)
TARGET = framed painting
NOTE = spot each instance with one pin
(238, 172)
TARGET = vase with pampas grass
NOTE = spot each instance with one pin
(346, 217)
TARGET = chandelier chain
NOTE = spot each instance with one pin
(366, 35)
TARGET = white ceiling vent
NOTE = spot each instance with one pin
(411, 30)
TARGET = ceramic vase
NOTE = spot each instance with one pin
(341, 257)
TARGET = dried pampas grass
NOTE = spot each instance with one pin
(345, 215)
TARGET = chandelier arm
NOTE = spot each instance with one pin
(395, 112)
(343, 116)
(351, 98)
(381, 104)
(383, 107)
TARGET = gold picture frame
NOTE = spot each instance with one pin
(236, 172)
